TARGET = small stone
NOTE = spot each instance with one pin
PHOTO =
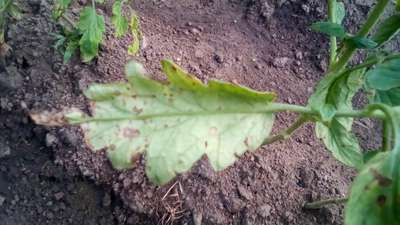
(12, 79)
(197, 217)
(219, 58)
(106, 202)
(195, 31)
(4, 151)
(281, 62)
(264, 211)
(299, 55)
(306, 8)
(245, 193)
(59, 195)
(50, 139)
(2, 200)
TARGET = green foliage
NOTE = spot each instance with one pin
(387, 30)
(120, 22)
(134, 47)
(8, 10)
(329, 28)
(60, 7)
(384, 76)
(361, 42)
(375, 194)
(390, 97)
(337, 91)
(174, 124)
(92, 27)
(87, 34)
(340, 12)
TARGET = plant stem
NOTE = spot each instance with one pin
(349, 50)
(333, 42)
(322, 203)
(287, 132)
(94, 4)
(387, 137)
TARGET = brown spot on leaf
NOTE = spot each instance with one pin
(246, 141)
(130, 133)
(174, 68)
(112, 147)
(137, 110)
(382, 180)
(135, 158)
(381, 200)
(206, 144)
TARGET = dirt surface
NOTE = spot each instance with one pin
(48, 176)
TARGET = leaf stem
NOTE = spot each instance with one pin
(322, 203)
(333, 41)
(349, 50)
(283, 135)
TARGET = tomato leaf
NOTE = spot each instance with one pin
(375, 193)
(60, 6)
(384, 76)
(337, 90)
(387, 30)
(174, 124)
(329, 28)
(340, 12)
(371, 200)
(390, 97)
(134, 47)
(362, 42)
(119, 20)
(92, 27)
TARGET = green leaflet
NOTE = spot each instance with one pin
(361, 42)
(398, 5)
(390, 97)
(118, 19)
(134, 47)
(384, 76)
(337, 90)
(59, 8)
(387, 30)
(340, 12)
(329, 28)
(92, 27)
(174, 124)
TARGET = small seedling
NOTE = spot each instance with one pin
(8, 10)
(87, 35)
(175, 124)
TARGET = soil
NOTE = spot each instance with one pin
(48, 176)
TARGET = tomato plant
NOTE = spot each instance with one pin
(175, 124)
(87, 35)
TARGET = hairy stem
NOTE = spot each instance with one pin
(349, 50)
(287, 132)
(333, 42)
(322, 203)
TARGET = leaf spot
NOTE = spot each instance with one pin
(382, 180)
(206, 144)
(381, 200)
(137, 110)
(130, 133)
(246, 141)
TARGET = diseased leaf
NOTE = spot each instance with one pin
(340, 12)
(387, 30)
(134, 47)
(362, 42)
(329, 28)
(174, 124)
(92, 27)
(119, 20)
(384, 76)
(371, 200)
(337, 90)
(375, 194)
